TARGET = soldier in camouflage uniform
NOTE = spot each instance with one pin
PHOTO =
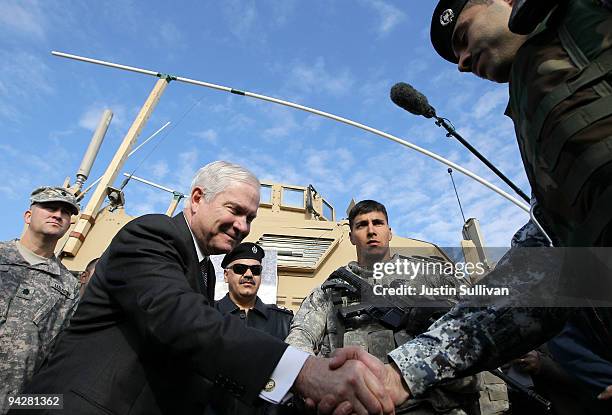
(325, 322)
(560, 105)
(37, 293)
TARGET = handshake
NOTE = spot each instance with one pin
(352, 381)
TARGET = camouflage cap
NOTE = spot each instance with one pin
(443, 24)
(54, 194)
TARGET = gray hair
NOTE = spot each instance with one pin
(217, 176)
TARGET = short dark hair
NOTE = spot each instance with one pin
(471, 3)
(366, 206)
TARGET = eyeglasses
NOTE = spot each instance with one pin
(241, 269)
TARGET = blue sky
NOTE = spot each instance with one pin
(338, 56)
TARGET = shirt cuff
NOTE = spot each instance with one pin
(283, 376)
(417, 375)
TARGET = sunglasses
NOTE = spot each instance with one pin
(241, 269)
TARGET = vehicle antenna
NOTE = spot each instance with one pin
(128, 177)
(522, 205)
(84, 192)
(450, 172)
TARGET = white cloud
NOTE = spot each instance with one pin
(316, 77)
(373, 91)
(22, 17)
(490, 101)
(30, 80)
(159, 169)
(208, 135)
(283, 123)
(22, 170)
(281, 11)
(146, 199)
(188, 165)
(417, 67)
(390, 16)
(91, 117)
(313, 122)
(240, 122)
(242, 17)
(170, 34)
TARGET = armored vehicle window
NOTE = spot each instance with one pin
(266, 194)
(328, 211)
(293, 198)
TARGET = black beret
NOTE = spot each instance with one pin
(246, 250)
(443, 24)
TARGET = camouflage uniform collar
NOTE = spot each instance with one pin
(9, 250)
(30, 256)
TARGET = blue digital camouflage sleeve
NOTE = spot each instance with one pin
(470, 339)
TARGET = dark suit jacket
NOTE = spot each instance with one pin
(144, 340)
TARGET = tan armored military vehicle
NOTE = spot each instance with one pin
(295, 221)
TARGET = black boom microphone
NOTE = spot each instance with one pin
(408, 98)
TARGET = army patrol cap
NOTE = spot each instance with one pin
(54, 194)
(246, 250)
(443, 24)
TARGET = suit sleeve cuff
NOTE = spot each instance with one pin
(283, 376)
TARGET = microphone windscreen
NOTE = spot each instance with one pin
(408, 98)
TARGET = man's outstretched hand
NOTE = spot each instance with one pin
(606, 394)
(389, 375)
(348, 388)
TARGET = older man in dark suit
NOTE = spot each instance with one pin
(147, 340)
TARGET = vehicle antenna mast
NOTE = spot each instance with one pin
(87, 216)
(450, 172)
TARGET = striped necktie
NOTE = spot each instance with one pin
(204, 282)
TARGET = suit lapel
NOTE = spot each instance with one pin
(191, 260)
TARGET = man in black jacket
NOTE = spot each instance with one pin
(242, 269)
(243, 273)
(147, 340)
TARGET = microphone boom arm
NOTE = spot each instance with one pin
(441, 122)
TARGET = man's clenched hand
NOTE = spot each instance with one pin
(346, 389)
(389, 375)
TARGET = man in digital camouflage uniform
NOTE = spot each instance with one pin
(331, 317)
(560, 104)
(37, 293)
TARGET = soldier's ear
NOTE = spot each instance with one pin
(225, 275)
(390, 233)
(27, 216)
(351, 238)
(83, 277)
